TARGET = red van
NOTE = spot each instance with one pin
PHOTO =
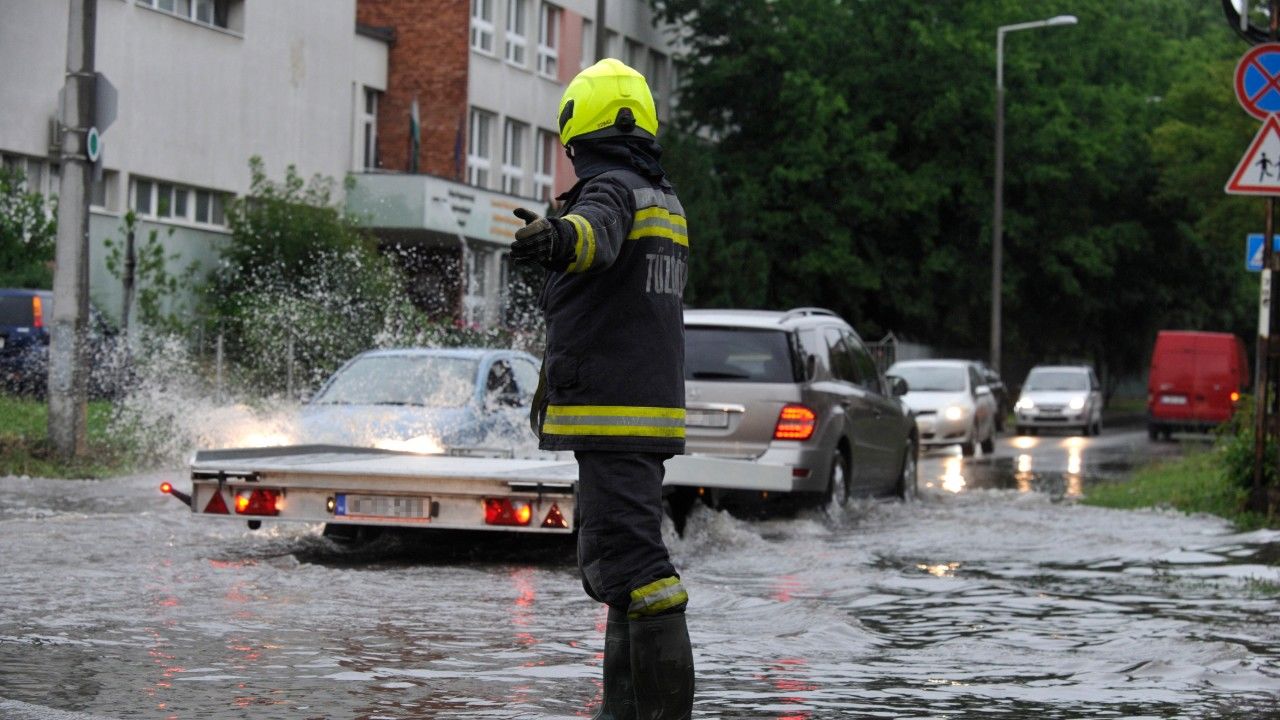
(1196, 380)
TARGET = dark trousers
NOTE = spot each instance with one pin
(619, 521)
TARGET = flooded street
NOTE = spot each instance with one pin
(993, 595)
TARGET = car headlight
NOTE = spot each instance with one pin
(954, 412)
(1076, 403)
(1024, 404)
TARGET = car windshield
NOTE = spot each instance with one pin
(737, 354)
(930, 378)
(425, 380)
(1056, 380)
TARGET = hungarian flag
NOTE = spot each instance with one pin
(415, 135)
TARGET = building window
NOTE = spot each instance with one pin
(548, 39)
(635, 55)
(216, 13)
(41, 176)
(369, 120)
(100, 191)
(513, 139)
(482, 26)
(478, 148)
(517, 32)
(588, 45)
(544, 165)
(655, 73)
(169, 201)
(612, 44)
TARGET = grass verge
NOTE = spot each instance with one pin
(1193, 484)
(25, 448)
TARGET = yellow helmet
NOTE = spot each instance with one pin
(608, 99)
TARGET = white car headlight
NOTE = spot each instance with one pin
(954, 412)
(1024, 404)
(1076, 403)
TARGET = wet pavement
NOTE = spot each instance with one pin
(996, 594)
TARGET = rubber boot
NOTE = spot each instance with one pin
(662, 667)
(619, 701)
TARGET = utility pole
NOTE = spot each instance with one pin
(68, 371)
(1266, 394)
(602, 34)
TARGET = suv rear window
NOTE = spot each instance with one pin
(738, 355)
(15, 310)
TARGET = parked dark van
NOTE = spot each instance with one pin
(24, 339)
(1196, 381)
(25, 317)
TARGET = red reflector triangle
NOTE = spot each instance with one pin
(217, 505)
(555, 519)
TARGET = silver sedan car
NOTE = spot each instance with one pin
(951, 403)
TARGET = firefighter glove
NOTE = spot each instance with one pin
(542, 241)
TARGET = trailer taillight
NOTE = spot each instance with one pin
(795, 422)
(504, 511)
(259, 501)
(1235, 396)
(168, 489)
(555, 519)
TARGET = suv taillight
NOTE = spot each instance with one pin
(795, 422)
(37, 312)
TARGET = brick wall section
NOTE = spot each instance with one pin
(429, 59)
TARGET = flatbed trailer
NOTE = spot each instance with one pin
(360, 487)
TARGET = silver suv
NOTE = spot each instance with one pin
(797, 388)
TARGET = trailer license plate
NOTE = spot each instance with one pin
(706, 418)
(405, 507)
(1173, 399)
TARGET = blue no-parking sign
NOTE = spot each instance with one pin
(1258, 80)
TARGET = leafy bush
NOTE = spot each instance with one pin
(302, 288)
(28, 233)
(1235, 447)
(160, 307)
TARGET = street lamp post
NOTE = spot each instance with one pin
(997, 214)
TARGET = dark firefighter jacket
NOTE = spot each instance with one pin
(614, 367)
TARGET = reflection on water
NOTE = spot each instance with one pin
(1059, 467)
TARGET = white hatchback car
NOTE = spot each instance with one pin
(1060, 396)
(951, 403)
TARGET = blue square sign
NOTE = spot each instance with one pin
(1253, 250)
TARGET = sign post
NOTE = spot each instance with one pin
(1257, 86)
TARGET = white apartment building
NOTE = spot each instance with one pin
(203, 85)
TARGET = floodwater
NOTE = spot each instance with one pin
(994, 595)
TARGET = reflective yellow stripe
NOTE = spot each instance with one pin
(585, 248)
(657, 596)
(613, 430)
(615, 421)
(617, 410)
(659, 222)
(576, 222)
(663, 213)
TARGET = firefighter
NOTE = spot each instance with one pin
(612, 387)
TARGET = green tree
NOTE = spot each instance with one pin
(850, 163)
(28, 233)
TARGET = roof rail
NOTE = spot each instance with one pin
(807, 311)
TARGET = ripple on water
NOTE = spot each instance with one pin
(984, 603)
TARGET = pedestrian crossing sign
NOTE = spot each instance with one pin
(1253, 250)
(1259, 170)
